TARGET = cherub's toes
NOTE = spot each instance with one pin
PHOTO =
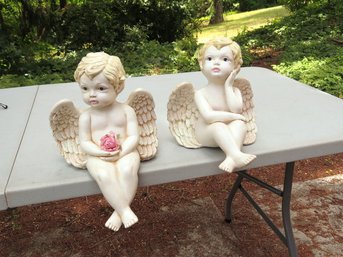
(131, 222)
(114, 222)
(227, 165)
(250, 158)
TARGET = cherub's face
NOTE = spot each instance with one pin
(97, 92)
(217, 63)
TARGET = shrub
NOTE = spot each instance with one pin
(139, 58)
(325, 74)
(310, 41)
(107, 23)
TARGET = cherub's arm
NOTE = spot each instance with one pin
(85, 136)
(233, 95)
(211, 116)
(131, 141)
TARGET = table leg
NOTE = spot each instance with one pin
(286, 202)
(228, 203)
(287, 238)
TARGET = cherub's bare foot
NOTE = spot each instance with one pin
(128, 217)
(239, 161)
(243, 159)
(114, 222)
(227, 165)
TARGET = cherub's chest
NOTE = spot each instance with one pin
(115, 118)
(217, 101)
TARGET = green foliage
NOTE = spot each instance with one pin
(325, 74)
(140, 58)
(311, 45)
(12, 80)
(105, 23)
(249, 5)
(310, 40)
(42, 37)
(295, 5)
(185, 58)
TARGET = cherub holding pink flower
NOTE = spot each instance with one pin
(107, 137)
(110, 142)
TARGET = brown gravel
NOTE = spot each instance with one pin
(75, 227)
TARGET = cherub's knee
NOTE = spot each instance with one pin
(103, 177)
(240, 123)
(218, 127)
(127, 171)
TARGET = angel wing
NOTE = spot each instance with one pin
(64, 119)
(143, 104)
(248, 109)
(182, 115)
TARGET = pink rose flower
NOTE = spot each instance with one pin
(109, 142)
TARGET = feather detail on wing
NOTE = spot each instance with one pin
(143, 104)
(248, 109)
(64, 122)
(182, 115)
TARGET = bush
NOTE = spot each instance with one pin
(104, 24)
(310, 41)
(249, 5)
(140, 58)
(325, 74)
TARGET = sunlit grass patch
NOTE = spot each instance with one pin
(235, 23)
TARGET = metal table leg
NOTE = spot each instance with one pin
(228, 203)
(287, 238)
(286, 202)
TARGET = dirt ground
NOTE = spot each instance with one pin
(76, 227)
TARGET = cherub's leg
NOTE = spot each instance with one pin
(128, 178)
(104, 174)
(230, 138)
(238, 131)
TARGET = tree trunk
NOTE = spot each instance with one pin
(63, 3)
(2, 21)
(217, 16)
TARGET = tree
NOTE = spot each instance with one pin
(217, 15)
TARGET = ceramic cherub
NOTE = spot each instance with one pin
(109, 138)
(219, 114)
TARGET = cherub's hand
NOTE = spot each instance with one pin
(241, 117)
(229, 81)
(111, 157)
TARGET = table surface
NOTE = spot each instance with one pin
(294, 122)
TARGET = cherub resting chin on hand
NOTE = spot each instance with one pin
(219, 114)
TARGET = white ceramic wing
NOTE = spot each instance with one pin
(248, 109)
(64, 122)
(182, 115)
(143, 104)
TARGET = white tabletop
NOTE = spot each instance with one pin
(294, 122)
(12, 126)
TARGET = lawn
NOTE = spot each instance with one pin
(235, 23)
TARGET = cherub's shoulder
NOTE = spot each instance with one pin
(200, 93)
(127, 108)
(85, 115)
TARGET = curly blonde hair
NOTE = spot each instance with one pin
(94, 63)
(220, 43)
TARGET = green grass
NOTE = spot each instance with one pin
(235, 23)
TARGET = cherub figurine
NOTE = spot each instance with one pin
(219, 114)
(109, 138)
